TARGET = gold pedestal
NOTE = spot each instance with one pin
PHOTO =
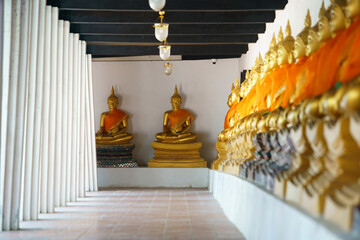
(222, 157)
(177, 155)
(293, 192)
(312, 203)
(339, 214)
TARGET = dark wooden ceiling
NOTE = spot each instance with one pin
(199, 29)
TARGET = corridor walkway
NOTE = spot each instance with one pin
(134, 214)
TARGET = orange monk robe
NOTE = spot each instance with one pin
(229, 115)
(330, 62)
(279, 79)
(263, 88)
(293, 73)
(177, 118)
(113, 119)
(351, 66)
(309, 82)
(250, 106)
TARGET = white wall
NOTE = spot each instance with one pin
(295, 11)
(145, 93)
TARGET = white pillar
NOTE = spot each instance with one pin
(11, 126)
(53, 110)
(65, 114)
(20, 115)
(92, 123)
(78, 143)
(4, 78)
(89, 136)
(70, 128)
(82, 120)
(31, 108)
(59, 125)
(75, 111)
(38, 112)
(45, 113)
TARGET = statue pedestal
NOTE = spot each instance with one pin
(222, 157)
(115, 156)
(177, 155)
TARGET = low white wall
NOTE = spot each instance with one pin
(145, 93)
(295, 11)
(259, 215)
(154, 177)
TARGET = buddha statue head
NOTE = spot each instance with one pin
(313, 41)
(112, 100)
(285, 47)
(273, 62)
(337, 14)
(324, 31)
(302, 38)
(352, 9)
(234, 96)
(255, 72)
(176, 99)
(265, 67)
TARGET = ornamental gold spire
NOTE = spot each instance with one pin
(273, 41)
(288, 30)
(280, 35)
(308, 19)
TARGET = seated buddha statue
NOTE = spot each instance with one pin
(233, 100)
(176, 124)
(113, 124)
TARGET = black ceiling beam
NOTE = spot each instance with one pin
(172, 5)
(245, 38)
(201, 29)
(171, 17)
(103, 50)
(206, 57)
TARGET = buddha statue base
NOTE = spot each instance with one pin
(339, 213)
(186, 155)
(280, 187)
(222, 157)
(115, 156)
(293, 192)
(232, 168)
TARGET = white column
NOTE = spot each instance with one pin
(70, 128)
(20, 115)
(31, 108)
(75, 127)
(92, 123)
(4, 78)
(89, 136)
(65, 114)
(78, 143)
(45, 113)
(11, 127)
(38, 112)
(53, 110)
(82, 120)
(59, 125)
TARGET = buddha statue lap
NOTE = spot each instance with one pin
(113, 145)
(176, 146)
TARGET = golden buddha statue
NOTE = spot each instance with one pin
(233, 100)
(176, 146)
(281, 75)
(299, 58)
(176, 124)
(324, 32)
(113, 124)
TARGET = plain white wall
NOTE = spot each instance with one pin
(145, 92)
(295, 11)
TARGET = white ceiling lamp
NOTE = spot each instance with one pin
(157, 5)
(168, 68)
(161, 29)
(164, 51)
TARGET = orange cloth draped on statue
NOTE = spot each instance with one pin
(114, 117)
(177, 118)
(229, 115)
(263, 88)
(291, 78)
(279, 80)
(351, 67)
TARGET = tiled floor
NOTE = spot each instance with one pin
(134, 214)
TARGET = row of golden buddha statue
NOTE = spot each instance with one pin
(294, 123)
(176, 146)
